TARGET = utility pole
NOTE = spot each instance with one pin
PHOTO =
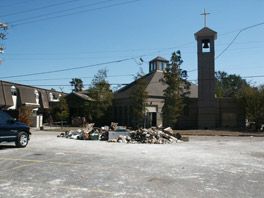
(3, 29)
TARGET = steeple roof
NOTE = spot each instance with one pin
(159, 58)
(205, 32)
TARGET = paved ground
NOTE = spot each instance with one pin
(204, 167)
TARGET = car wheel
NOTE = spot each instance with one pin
(22, 139)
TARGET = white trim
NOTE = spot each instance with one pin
(29, 103)
(151, 109)
(7, 136)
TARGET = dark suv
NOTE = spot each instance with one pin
(12, 130)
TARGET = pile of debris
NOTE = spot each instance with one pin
(150, 136)
(114, 133)
(87, 133)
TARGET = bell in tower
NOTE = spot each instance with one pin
(206, 45)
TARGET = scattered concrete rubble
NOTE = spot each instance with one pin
(115, 133)
(89, 132)
(153, 136)
(118, 132)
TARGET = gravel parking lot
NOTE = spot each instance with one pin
(202, 167)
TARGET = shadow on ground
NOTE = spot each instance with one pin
(4, 147)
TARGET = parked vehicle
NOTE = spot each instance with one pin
(12, 130)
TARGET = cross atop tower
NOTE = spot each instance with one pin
(205, 15)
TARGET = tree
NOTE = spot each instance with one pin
(252, 99)
(229, 85)
(138, 99)
(100, 91)
(25, 114)
(61, 111)
(176, 91)
(77, 84)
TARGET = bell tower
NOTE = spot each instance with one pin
(206, 77)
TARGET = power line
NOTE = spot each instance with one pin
(72, 68)
(10, 57)
(184, 45)
(256, 76)
(61, 11)
(75, 68)
(15, 4)
(68, 78)
(54, 85)
(153, 50)
(54, 71)
(236, 36)
(69, 14)
(154, 82)
(39, 8)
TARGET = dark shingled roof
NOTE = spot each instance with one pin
(154, 87)
(206, 32)
(26, 93)
(82, 96)
(2, 99)
(5, 95)
(159, 58)
(44, 102)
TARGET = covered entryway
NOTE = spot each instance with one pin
(151, 116)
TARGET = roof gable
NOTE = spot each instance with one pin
(205, 32)
(155, 87)
(81, 96)
(159, 58)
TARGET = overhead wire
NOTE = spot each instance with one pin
(233, 40)
(72, 68)
(33, 20)
(55, 71)
(190, 80)
(10, 57)
(236, 36)
(59, 11)
(151, 51)
(38, 8)
(75, 68)
(67, 78)
(15, 4)
(68, 85)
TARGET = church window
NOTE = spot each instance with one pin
(13, 91)
(154, 66)
(161, 66)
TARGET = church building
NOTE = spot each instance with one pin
(203, 110)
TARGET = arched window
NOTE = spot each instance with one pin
(13, 91)
(14, 94)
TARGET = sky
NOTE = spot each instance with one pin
(50, 42)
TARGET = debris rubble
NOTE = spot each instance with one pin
(152, 136)
(118, 134)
